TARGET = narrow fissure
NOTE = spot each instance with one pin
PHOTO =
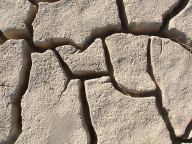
(101, 32)
(188, 131)
(25, 33)
(52, 43)
(16, 109)
(70, 74)
(122, 15)
(87, 115)
(64, 65)
(114, 82)
(2, 37)
(176, 10)
(98, 32)
(149, 65)
(23, 86)
(31, 17)
(110, 68)
(162, 111)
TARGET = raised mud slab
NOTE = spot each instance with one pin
(95, 71)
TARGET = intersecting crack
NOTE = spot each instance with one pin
(16, 128)
(114, 82)
(170, 14)
(162, 111)
(98, 33)
(188, 130)
(101, 32)
(84, 103)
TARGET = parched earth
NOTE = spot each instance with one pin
(95, 71)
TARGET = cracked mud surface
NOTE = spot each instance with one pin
(95, 72)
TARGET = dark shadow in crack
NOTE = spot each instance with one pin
(188, 131)
(34, 2)
(87, 114)
(179, 37)
(162, 111)
(64, 65)
(102, 32)
(176, 10)
(52, 43)
(144, 28)
(2, 37)
(119, 88)
(174, 34)
(82, 76)
(31, 16)
(110, 68)
(13, 33)
(15, 99)
(122, 15)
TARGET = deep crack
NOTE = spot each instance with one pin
(188, 131)
(162, 111)
(97, 33)
(176, 10)
(122, 15)
(114, 82)
(70, 74)
(87, 115)
(110, 68)
(2, 37)
(16, 109)
(31, 17)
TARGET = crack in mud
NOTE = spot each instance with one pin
(162, 111)
(98, 33)
(2, 37)
(87, 114)
(114, 82)
(15, 103)
(176, 10)
(188, 130)
(122, 15)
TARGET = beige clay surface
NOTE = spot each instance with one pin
(95, 71)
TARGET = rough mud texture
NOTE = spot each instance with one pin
(95, 72)
(74, 20)
(14, 58)
(172, 63)
(181, 24)
(129, 59)
(92, 60)
(51, 114)
(120, 119)
(147, 15)
(13, 17)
